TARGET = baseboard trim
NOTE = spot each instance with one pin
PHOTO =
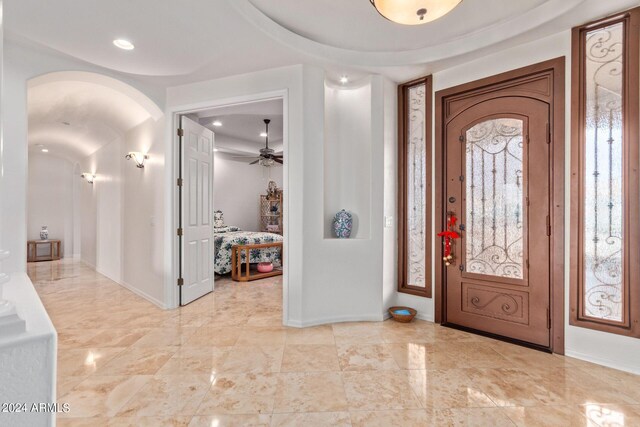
(426, 318)
(88, 264)
(601, 361)
(143, 294)
(113, 279)
(128, 287)
(342, 319)
(335, 319)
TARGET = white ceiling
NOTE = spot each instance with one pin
(73, 119)
(355, 25)
(242, 125)
(190, 40)
(172, 38)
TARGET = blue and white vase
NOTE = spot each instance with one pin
(342, 224)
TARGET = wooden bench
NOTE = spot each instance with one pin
(245, 275)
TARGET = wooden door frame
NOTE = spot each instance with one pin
(555, 69)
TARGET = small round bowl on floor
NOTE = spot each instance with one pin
(402, 314)
(265, 267)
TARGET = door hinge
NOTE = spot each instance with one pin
(180, 281)
(548, 318)
(180, 231)
(548, 133)
(180, 182)
(180, 132)
(548, 226)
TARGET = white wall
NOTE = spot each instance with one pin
(342, 277)
(77, 219)
(102, 210)
(51, 199)
(143, 267)
(88, 222)
(28, 371)
(390, 244)
(123, 211)
(237, 187)
(608, 349)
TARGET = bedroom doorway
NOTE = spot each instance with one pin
(231, 201)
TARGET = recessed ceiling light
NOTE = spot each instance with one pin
(344, 80)
(215, 150)
(45, 150)
(217, 123)
(123, 44)
(263, 134)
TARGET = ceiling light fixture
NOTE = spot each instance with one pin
(217, 123)
(138, 157)
(414, 12)
(215, 150)
(123, 44)
(264, 134)
(266, 162)
(344, 80)
(45, 150)
(89, 177)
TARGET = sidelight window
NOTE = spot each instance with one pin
(605, 285)
(414, 192)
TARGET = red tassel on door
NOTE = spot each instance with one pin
(449, 235)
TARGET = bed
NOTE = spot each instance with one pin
(227, 239)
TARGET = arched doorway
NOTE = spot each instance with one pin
(99, 205)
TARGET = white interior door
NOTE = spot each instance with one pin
(197, 215)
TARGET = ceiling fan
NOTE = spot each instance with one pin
(267, 155)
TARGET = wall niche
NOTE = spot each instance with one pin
(347, 156)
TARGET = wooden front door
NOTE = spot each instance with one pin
(497, 169)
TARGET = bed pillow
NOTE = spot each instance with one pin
(227, 229)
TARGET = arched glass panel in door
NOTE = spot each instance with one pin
(494, 213)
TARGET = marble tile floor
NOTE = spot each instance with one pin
(225, 360)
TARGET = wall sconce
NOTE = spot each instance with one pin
(89, 177)
(138, 157)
